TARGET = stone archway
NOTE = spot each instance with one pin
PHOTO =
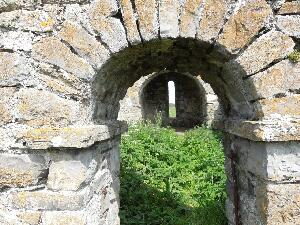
(64, 68)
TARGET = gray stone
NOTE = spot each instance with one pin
(86, 45)
(15, 40)
(290, 25)
(147, 16)
(266, 49)
(66, 175)
(110, 29)
(37, 20)
(169, 11)
(64, 217)
(21, 170)
(53, 51)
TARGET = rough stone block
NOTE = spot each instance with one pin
(212, 19)
(66, 175)
(190, 17)
(15, 40)
(283, 204)
(47, 200)
(244, 25)
(14, 69)
(30, 217)
(86, 45)
(292, 7)
(16, 4)
(37, 20)
(64, 218)
(42, 108)
(290, 25)
(110, 29)
(285, 106)
(130, 22)
(169, 11)
(52, 50)
(147, 17)
(266, 49)
(21, 170)
(278, 79)
(6, 94)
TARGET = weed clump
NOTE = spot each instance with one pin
(171, 179)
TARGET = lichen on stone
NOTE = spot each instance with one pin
(294, 56)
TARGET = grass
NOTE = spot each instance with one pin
(172, 110)
(169, 179)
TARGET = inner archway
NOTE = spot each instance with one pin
(189, 99)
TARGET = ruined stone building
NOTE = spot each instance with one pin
(65, 65)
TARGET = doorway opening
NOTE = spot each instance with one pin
(172, 101)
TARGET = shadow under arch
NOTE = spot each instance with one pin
(190, 99)
(182, 55)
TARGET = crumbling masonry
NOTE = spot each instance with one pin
(66, 64)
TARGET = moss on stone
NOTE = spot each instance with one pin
(294, 56)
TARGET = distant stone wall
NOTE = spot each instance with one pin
(207, 110)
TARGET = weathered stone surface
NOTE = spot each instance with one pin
(283, 203)
(212, 19)
(169, 11)
(42, 108)
(130, 22)
(275, 161)
(66, 175)
(68, 137)
(63, 1)
(290, 25)
(147, 17)
(190, 17)
(292, 7)
(244, 25)
(14, 69)
(62, 82)
(53, 51)
(6, 94)
(86, 45)
(268, 48)
(15, 40)
(64, 218)
(285, 106)
(9, 5)
(21, 170)
(47, 200)
(37, 20)
(278, 79)
(30, 217)
(284, 129)
(110, 29)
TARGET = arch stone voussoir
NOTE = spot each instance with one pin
(65, 66)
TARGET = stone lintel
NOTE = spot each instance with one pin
(67, 137)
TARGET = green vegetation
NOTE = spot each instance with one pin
(170, 179)
(294, 56)
(172, 110)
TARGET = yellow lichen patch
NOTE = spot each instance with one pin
(212, 19)
(188, 17)
(245, 24)
(47, 23)
(32, 218)
(287, 106)
(147, 15)
(10, 177)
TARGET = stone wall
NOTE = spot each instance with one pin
(205, 105)
(66, 64)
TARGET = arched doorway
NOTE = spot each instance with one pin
(61, 101)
